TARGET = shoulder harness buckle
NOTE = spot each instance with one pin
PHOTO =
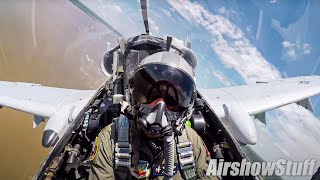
(122, 153)
(185, 156)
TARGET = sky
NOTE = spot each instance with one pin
(241, 42)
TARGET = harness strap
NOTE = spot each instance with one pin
(135, 144)
(185, 156)
(122, 150)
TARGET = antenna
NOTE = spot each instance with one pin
(169, 41)
(188, 42)
(145, 15)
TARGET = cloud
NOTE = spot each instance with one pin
(222, 10)
(116, 15)
(222, 78)
(292, 131)
(306, 48)
(153, 26)
(229, 13)
(229, 43)
(273, 1)
(287, 44)
(291, 128)
(292, 51)
(116, 8)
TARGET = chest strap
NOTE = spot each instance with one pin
(185, 156)
(122, 150)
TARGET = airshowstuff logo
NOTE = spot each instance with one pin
(280, 167)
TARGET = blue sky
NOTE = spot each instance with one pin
(240, 42)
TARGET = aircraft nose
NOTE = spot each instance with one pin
(49, 138)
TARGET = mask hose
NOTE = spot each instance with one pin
(168, 152)
(156, 122)
(168, 138)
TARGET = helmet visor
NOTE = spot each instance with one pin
(155, 81)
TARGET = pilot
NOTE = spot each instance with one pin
(152, 140)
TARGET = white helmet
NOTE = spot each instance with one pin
(164, 75)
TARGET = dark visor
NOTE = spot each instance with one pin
(154, 81)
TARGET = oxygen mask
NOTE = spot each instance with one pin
(156, 120)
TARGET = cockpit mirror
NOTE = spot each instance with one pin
(108, 61)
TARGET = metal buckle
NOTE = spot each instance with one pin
(186, 159)
(122, 154)
(185, 154)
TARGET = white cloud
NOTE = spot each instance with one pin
(116, 15)
(229, 13)
(153, 26)
(306, 48)
(273, 1)
(292, 51)
(297, 30)
(229, 43)
(222, 10)
(222, 78)
(292, 128)
(287, 44)
(249, 29)
(117, 8)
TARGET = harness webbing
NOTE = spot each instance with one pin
(122, 151)
(185, 156)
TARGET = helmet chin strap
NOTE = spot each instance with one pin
(155, 124)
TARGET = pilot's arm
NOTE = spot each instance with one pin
(102, 157)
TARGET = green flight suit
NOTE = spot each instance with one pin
(102, 162)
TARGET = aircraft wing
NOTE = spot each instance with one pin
(264, 96)
(42, 101)
(239, 102)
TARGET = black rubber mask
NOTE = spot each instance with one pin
(156, 120)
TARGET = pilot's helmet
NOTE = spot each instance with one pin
(164, 75)
(190, 57)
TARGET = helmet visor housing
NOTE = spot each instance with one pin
(154, 81)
